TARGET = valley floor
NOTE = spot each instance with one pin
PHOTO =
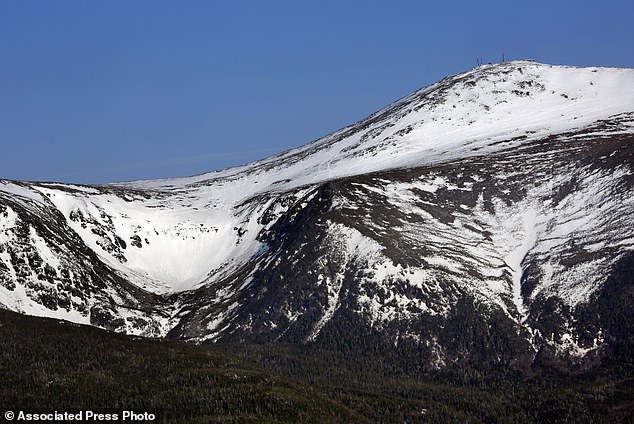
(48, 365)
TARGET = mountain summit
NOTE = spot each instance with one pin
(484, 219)
(479, 111)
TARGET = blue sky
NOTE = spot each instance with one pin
(96, 91)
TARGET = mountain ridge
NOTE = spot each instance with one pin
(512, 77)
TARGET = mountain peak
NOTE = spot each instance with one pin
(462, 115)
(499, 195)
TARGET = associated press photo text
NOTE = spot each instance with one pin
(79, 416)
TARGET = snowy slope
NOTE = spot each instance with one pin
(47, 270)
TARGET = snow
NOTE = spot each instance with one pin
(45, 252)
(384, 273)
(499, 244)
(19, 190)
(184, 245)
(19, 300)
(515, 257)
(593, 213)
(7, 222)
(333, 288)
(216, 322)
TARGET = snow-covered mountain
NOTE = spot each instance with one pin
(486, 217)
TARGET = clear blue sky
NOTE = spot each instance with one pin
(102, 91)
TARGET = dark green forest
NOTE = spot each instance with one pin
(49, 365)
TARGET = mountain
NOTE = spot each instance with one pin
(482, 221)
